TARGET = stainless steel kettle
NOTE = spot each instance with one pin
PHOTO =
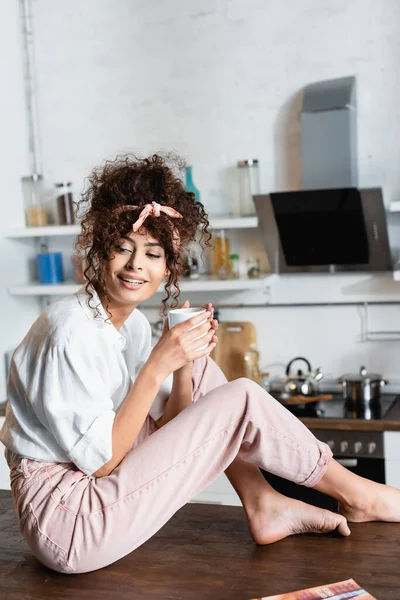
(305, 384)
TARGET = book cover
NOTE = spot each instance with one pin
(342, 590)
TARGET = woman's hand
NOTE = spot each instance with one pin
(178, 346)
(214, 323)
(209, 307)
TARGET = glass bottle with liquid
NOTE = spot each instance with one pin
(222, 266)
(79, 264)
(189, 184)
(252, 359)
(36, 215)
(235, 266)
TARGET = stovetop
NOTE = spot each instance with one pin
(338, 409)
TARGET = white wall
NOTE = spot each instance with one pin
(217, 81)
(16, 315)
(212, 79)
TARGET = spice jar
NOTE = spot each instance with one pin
(65, 207)
(32, 191)
(249, 185)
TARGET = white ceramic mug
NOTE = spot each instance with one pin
(179, 315)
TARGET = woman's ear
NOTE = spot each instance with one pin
(167, 273)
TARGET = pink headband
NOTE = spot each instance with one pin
(154, 209)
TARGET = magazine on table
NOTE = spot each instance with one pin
(342, 590)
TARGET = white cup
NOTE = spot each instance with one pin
(179, 315)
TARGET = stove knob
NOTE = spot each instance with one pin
(343, 446)
(331, 444)
(371, 447)
(357, 447)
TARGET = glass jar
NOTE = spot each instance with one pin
(32, 192)
(65, 207)
(253, 268)
(222, 266)
(249, 185)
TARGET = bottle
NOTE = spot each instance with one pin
(49, 266)
(222, 267)
(189, 185)
(65, 208)
(32, 190)
(79, 267)
(249, 185)
(235, 271)
(252, 357)
(194, 266)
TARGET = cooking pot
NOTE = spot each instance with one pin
(304, 384)
(364, 388)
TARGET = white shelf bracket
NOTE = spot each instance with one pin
(375, 336)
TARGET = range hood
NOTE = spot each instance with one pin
(330, 225)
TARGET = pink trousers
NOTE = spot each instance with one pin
(74, 523)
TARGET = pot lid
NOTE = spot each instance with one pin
(363, 375)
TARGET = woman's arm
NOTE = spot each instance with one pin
(180, 396)
(172, 352)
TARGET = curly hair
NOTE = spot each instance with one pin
(129, 180)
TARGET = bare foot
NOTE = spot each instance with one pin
(375, 502)
(277, 517)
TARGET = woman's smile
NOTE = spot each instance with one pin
(131, 282)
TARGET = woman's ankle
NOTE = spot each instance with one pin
(343, 485)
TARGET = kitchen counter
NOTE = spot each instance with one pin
(390, 422)
(205, 552)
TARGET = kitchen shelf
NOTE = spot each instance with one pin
(234, 223)
(47, 231)
(203, 284)
(64, 230)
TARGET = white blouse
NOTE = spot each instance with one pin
(68, 378)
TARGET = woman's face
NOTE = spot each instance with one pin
(136, 270)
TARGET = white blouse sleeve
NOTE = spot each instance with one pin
(70, 399)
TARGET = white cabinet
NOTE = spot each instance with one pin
(4, 470)
(220, 491)
(391, 440)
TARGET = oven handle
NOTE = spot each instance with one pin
(347, 462)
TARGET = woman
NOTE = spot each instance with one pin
(107, 438)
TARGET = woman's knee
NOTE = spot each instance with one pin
(244, 384)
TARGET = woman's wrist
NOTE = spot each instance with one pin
(186, 369)
(152, 369)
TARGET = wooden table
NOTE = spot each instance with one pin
(205, 552)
